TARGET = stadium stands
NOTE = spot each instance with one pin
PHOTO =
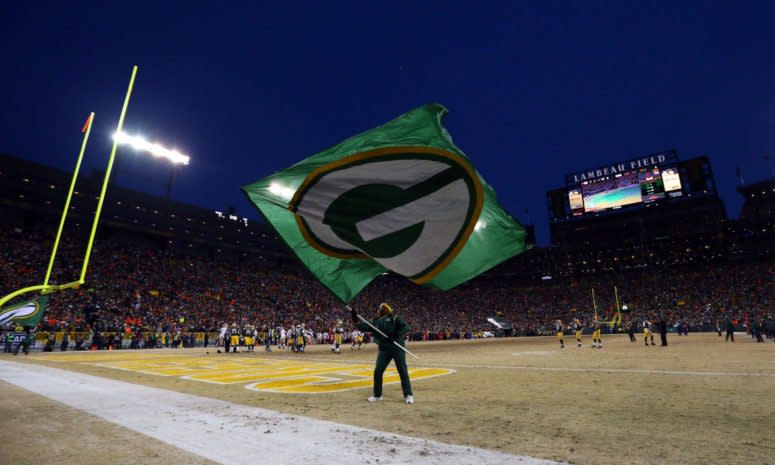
(160, 267)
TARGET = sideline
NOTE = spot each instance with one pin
(235, 434)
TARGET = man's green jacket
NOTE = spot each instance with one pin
(392, 325)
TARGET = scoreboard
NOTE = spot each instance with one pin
(648, 180)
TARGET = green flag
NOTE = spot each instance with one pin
(400, 197)
(25, 314)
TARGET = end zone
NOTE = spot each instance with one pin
(259, 374)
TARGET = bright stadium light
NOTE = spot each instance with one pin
(141, 144)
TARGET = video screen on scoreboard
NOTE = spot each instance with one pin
(611, 192)
(625, 188)
(651, 184)
(576, 201)
(671, 180)
(640, 186)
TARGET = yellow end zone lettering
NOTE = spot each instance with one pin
(259, 374)
(340, 381)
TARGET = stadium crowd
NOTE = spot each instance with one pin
(133, 289)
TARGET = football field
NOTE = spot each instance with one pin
(517, 400)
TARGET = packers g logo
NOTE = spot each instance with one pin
(22, 311)
(411, 209)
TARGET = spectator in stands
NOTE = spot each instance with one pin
(144, 291)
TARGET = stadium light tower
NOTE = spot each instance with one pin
(140, 144)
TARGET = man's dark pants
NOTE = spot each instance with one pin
(383, 360)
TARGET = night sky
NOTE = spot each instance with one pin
(535, 91)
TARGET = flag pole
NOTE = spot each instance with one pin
(107, 177)
(86, 130)
(377, 330)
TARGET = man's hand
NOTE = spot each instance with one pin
(354, 315)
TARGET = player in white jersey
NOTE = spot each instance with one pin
(577, 328)
(357, 339)
(281, 343)
(308, 336)
(222, 334)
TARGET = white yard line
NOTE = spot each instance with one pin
(570, 369)
(234, 434)
(618, 370)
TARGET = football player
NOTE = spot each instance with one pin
(559, 329)
(338, 336)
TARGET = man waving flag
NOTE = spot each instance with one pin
(401, 198)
